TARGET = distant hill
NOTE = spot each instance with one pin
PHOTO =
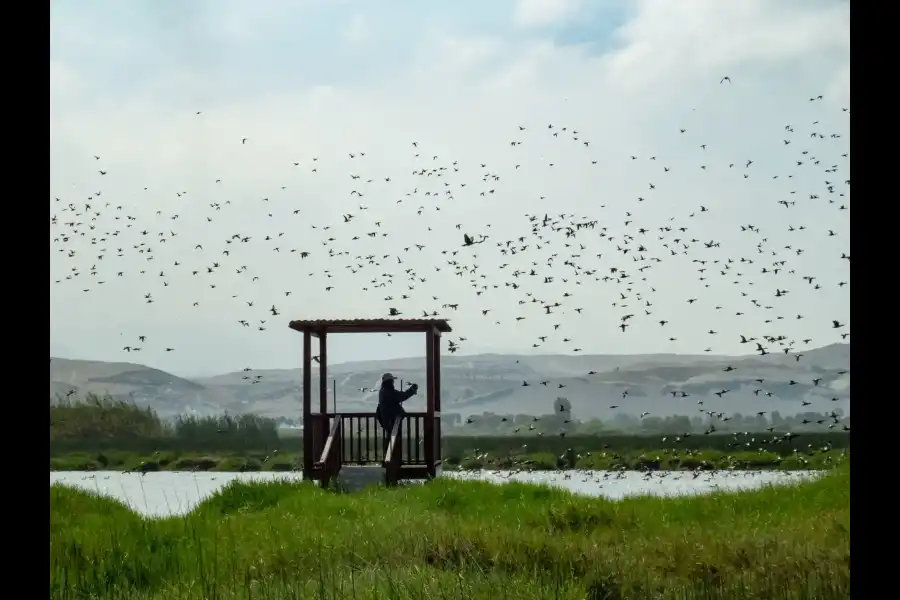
(494, 383)
(144, 385)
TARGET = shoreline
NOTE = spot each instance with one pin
(634, 460)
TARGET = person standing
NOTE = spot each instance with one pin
(390, 405)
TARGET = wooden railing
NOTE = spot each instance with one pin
(333, 446)
(331, 458)
(358, 439)
(363, 441)
(438, 460)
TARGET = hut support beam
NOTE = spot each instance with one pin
(307, 405)
(323, 383)
(429, 403)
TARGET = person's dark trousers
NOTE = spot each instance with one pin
(387, 426)
(385, 430)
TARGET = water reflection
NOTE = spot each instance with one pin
(616, 485)
(170, 493)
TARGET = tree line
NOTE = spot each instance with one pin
(100, 422)
(96, 424)
(562, 420)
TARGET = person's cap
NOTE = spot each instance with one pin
(387, 377)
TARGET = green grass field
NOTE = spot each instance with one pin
(458, 540)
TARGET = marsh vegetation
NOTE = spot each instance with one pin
(454, 540)
(98, 433)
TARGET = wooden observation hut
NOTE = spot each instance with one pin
(332, 440)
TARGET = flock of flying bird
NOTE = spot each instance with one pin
(543, 268)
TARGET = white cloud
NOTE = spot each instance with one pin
(462, 96)
(542, 13)
(357, 31)
(699, 37)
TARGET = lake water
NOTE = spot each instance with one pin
(171, 493)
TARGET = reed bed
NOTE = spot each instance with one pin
(458, 540)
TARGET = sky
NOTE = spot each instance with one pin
(224, 137)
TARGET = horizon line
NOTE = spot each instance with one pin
(454, 356)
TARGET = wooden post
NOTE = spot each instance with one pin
(307, 405)
(323, 383)
(437, 400)
(429, 403)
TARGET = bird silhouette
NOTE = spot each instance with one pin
(568, 276)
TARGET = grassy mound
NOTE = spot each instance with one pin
(456, 540)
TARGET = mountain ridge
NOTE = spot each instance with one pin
(493, 382)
